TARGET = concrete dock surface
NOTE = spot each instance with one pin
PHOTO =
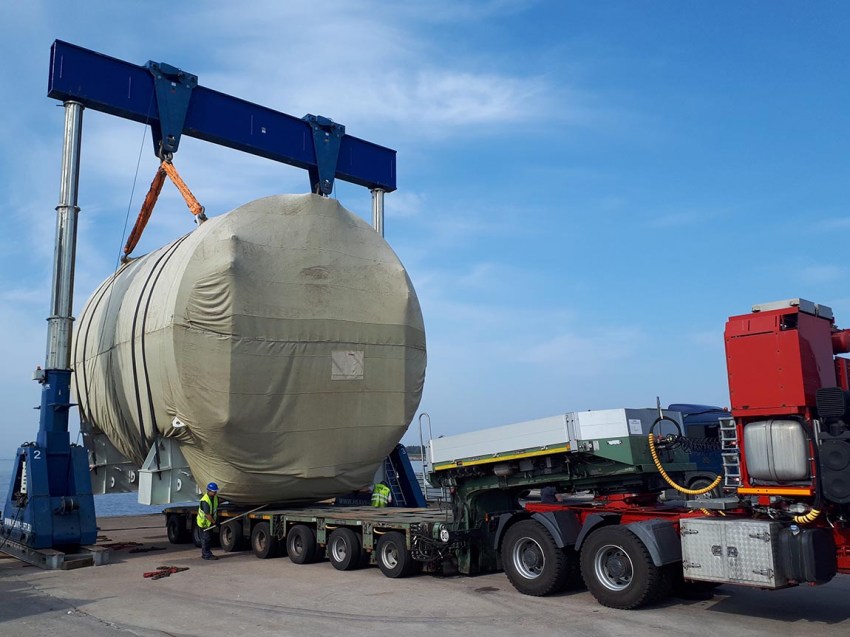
(242, 595)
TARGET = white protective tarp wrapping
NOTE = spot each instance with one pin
(281, 344)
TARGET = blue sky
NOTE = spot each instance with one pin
(586, 189)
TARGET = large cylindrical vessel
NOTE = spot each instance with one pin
(281, 344)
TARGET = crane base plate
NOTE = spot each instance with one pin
(51, 559)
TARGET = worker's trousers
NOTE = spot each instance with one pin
(206, 543)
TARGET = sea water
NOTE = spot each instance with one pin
(106, 506)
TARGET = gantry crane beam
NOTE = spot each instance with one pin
(103, 83)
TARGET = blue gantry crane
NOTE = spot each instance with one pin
(49, 511)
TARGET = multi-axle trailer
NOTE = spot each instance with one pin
(783, 519)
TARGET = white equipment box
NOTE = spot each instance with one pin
(574, 431)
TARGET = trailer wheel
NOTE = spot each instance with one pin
(393, 558)
(345, 551)
(196, 535)
(666, 582)
(532, 561)
(176, 530)
(702, 483)
(301, 544)
(690, 589)
(263, 543)
(573, 580)
(230, 536)
(618, 569)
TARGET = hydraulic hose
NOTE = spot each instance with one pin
(811, 516)
(815, 511)
(654, 452)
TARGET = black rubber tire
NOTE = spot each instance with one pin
(345, 550)
(573, 580)
(301, 544)
(176, 530)
(392, 556)
(196, 535)
(618, 569)
(533, 563)
(230, 536)
(688, 589)
(692, 589)
(669, 573)
(702, 483)
(263, 543)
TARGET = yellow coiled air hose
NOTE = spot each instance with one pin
(669, 480)
(811, 516)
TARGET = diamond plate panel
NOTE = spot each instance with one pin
(752, 555)
(703, 549)
(734, 551)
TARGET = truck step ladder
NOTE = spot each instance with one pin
(730, 453)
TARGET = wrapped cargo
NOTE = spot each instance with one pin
(281, 345)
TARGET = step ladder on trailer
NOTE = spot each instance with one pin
(392, 482)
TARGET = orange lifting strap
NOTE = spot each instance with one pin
(165, 168)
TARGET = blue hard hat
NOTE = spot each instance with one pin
(212, 486)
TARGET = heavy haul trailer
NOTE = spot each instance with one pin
(783, 520)
(612, 456)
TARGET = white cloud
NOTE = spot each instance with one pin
(24, 295)
(404, 204)
(481, 273)
(584, 352)
(820, 274)
(706, 338)
(830, 225)
(841, 307)
(461, 100)
(369, 66)
(678, 219)
(454, 11)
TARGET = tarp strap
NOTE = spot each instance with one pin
(165, 168)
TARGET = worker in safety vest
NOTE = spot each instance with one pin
(207, 511)
(381, 495)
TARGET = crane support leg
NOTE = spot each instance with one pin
(50, 501)
(378, 210)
